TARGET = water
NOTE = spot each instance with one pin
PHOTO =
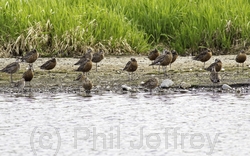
(125, 124)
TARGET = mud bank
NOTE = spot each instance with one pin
(110, 74)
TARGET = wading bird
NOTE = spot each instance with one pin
(49, 65)
(217, 64)
(204, 56)
(131, 66)
(151, 84)
(97, 57)
(12, 68)
(85, 66)
(153, 55)
(28, 74)
(31, 56)
(87, 55)
(241, 58)
(163, 60)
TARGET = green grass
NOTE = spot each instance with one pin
(67, 27)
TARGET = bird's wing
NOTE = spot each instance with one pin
(127, 65)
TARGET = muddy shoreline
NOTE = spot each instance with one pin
(110, 74)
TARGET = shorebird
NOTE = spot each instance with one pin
(97, 57)
(85, 66)
(241, 58)
(153, 55)
(204, 56)
(49, 65)
(175, 55)
(217, 64)
(163, 60)
(88, 54)
(87, 84)
(12, 68)
(28, 74)
(20, 85)
(31, 56)
(131, 66)
(214, 76)
(151, 84)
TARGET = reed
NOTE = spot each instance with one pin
(67, 28)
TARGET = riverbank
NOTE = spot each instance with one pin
(110, 74)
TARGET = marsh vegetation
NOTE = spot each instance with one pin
(66, 28)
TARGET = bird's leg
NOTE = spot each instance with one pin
(11, 79)
(204, 65)
(165, 72)
(49, 74)
(152, 65)
(96, 67)
(30, 86)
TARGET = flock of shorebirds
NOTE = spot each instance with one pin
(85, 65)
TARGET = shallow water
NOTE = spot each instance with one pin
(194, 123)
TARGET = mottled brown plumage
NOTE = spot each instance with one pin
(151, 83)
(87, 84)
(85, 66)
(28, 74)
(217, 64)
(20, 85)
(131, 66)
(204, 56)
(214, 76)
(88, 55)
(241, 58)
(49, 65)
(163, 60)
(11, 68)
(31, 56)
(153, 54)
(97, 57)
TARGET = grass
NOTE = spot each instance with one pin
(67, 28)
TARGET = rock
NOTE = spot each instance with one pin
(185, 85)
(183, 91)
(226, 87)
(166, 83)
(126, 88)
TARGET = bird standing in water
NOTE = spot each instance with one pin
(87, 84)
(20, 85)
(151, 84)
(214, 77)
